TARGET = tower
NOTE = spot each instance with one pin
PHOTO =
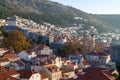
(92, 42)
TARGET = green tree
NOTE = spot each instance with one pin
(70, 47)
(16, 40)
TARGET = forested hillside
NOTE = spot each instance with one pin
(46, 11)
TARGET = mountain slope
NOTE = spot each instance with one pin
(47, 11)
(112, 21)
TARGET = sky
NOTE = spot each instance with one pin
(94, 6)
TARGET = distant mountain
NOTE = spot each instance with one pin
(112, 21)
(47, 11)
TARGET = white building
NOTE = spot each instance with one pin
(98, 58)
(42, 49)
(12, 21)
(27, 55)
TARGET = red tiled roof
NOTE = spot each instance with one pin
(4, 60)
(4, 76)
(85, 62)
(94, 74)
(9, 55)
(52, 68)
(11, 72)
(43, 76)
(28, 52)
(26, 74)
(6, 73)
(40, 47)
(3, 49)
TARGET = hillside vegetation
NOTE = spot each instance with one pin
(112, 21)
(46, 11)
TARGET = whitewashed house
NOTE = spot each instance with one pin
(53, 72)
(42, 49)
(98, 58)
(27, 55)
(12, 21)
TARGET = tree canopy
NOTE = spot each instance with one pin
(16, 40)
(70, 47)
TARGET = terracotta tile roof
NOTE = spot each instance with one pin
(3, 49)
(73, 63)
(28, 52)
(94, 74)
(4, 60)
(7, 73)
(66, 69)
(39, 47)
(10, 56)
(26, 74)
(4, 76)
(52, 68)
(85, 62)
(11, 72)
(43, 76)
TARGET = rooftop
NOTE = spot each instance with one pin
(95, 74)
(98, 53)
(26, 74)
(10, 55)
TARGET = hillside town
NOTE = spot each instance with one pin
(97, 61)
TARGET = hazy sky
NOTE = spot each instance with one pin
(94, 6)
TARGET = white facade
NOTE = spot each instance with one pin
(98, 58)
(16, 76)
(46, 51)
(2, 51)
(70, 74)
(27, 56)
(4, 63)
(12, 21)
(35, 76)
